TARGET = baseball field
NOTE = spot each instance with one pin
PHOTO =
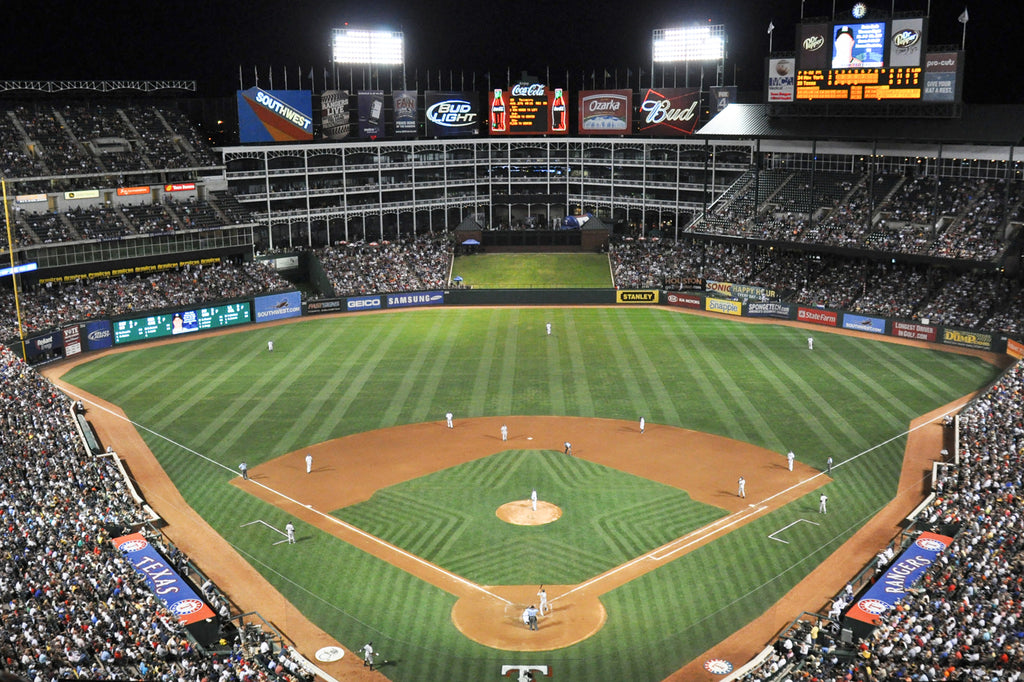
(647, 552)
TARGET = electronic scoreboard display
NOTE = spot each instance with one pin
(859, 84)
(182, 322)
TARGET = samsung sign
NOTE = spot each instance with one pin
(415, 299)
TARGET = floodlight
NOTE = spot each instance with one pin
(692, 44)
(361, 46)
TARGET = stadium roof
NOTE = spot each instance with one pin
(980, 124)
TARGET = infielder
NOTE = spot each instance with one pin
(289, 530)
(244, 468)
(504, 432)
(448, 418)
(367, 650)
(643, 424)
(309, 462)
(743, 487)
(568, 448)
(828, 463)
(823, 504)
(533, 499)
(789, 459)
(542, 595)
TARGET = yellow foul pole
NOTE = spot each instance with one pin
(14, 277)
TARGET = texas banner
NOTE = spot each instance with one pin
(164, 581)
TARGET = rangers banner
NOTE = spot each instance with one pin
(173, 590)
(898, 578)
(669, 112)
(605, 112)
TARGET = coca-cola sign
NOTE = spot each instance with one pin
(605, 112)
(529, 90)
(669, 112)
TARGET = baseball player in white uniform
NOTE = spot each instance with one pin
(270, 345)
(548, 325)
(504, 432)
(743, 487)
(533, 499)
(448, 418)
(810, 343)
(542, 595)
(289, 530)
(367, 650)
(309, 462)
(643, 424)
(823, 504)
(789, 459)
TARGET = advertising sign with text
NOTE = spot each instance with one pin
(636, 296)
(724, 306)
(605, 112)
(275, 115)
(783, 311)
(72, 341)
(335, 115)
(966, 338)
(451, 114)
(669, 112)
(529, 109)
(818, 316)
(415, 299)
(99, 334)
(813, 50)
(165, 583)
(912, 330)
(692, 301)
(371, 114)
(860, 323)
(405, 112)
(781, 80)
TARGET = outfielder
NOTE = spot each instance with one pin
(810, 343)
(270, 345)
(548, 325)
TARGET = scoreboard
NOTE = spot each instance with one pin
(182, 322)
(859, 84)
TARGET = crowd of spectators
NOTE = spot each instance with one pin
(979, 300)
(54, 304)
(73, 606)
(413, 264)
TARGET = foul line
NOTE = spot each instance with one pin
(346, 526)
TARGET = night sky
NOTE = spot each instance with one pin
(209, 41)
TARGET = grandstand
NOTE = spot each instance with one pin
(129, 213)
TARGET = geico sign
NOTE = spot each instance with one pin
(360, 303)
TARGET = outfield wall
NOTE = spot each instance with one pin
(99, 334)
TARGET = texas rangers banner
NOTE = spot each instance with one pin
(164, 581)
(898, 578)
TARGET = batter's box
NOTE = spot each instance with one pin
(772, 536)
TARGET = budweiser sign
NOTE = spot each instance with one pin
(669, 111)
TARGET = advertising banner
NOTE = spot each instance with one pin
(330, 305)
(874, 325)
(781, 80)
(966, 338)
(911, 330)
(858, 46)
(274, 115)
(941, 83)
(906, 45)
(730, 290)
(818, 316)
(1015, 348)
(334, 115)
(72, 341)
(721, 97)
(724, 306)
(133, 191)
(812, 52)
(692, 301)
(415, 299)
(173, 590)
(605, 112)
(29, 198)
(783, 311)
(138, 269)
(636, 296)
(362, 303)
(451, 114)
(529, 109)
(898, 578)
(371, 114)
(405, 113)
(180, 187)
(44, 344)
(83, 194)
(99, 334)
(669, 112)
(278, 306)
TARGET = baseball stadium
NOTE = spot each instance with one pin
(532, 379)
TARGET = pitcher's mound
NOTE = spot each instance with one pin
(521, 513)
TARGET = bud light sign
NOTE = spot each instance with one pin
(669, 112)
(98, 335)
(452, 114)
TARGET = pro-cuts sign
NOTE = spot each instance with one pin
(668, 112)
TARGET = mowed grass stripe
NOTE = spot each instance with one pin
(581, 395)
(505, 397)
(423, 373)
(640, 334)
(924, 377)
(478, 394)
(627, 391)
(876, 395)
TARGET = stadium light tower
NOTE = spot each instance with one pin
(700, 43)
(368, 48)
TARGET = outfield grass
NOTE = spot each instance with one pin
(217, 400)
(534, 270)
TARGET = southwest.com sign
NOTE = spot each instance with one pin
(636, 296)
(277, 306)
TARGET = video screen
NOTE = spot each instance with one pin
(857, 46)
